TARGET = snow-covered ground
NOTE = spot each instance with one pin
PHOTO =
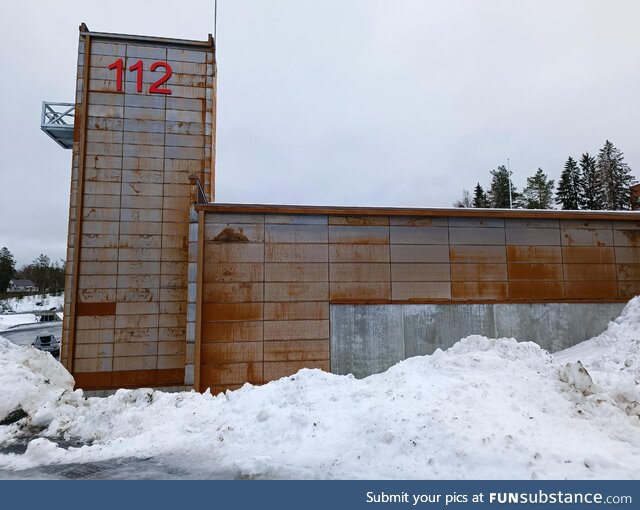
(18, 307)
(485, 408)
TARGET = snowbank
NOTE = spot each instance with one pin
(11, 320)
(35, 302)
(485, 408)
(31, 380)
(20, 307)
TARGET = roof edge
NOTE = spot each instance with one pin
(414, 211)
(208, 44)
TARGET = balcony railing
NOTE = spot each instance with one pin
(57, 121)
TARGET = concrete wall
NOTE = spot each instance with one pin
(368, 339)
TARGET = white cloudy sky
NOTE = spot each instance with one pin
(354, 102)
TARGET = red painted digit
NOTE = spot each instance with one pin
(137, 67)
(154, 89)
(117, 65)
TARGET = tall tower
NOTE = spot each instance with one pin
(145, 121)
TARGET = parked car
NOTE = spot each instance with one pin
(48, 343)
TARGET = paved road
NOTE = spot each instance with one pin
(24, 335)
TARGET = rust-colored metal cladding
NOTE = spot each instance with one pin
(272, 272)
(145, 110)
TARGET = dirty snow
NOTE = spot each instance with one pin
(485, 408)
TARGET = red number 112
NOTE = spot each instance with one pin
(118, 65)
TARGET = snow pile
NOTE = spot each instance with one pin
(11, 320)
(17, 310)
(485, 408)
(37, 302)
(32, 382)
(613, 360)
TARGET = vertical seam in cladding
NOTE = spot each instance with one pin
(615, 263)
(328, 296)
(451, 298)
(162, 223)
(115, 318)
(389, 252)
(562, 265)
(506, 263)
(264, 289)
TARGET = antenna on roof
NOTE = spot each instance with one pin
(509, 176)
(215, 20)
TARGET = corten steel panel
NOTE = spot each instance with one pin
(132, 270)
(312, 310)
(234, 252)
(590, 272)
(296, 330)
(586, 237)
(628, 272)
(237, 292)
(605, 290)
(296, 253)
(588, 255)
(232, 332)
(233, 233)
(417, 221)
(296, 350)
(478, 291)
(536, 271)
(359, 220)
(356, 292)
(359, 253)
(421, 291)
(419, 235)
(364, 272)
(296, 272)
(533, 236)
(476, 253)
(232, 352)
(628, 289)
(626, 237)
(296, 233)
(231, 373)
(419, 253)
(420, 272)
(478, 272)
(534, 254)
(536, 290)
(358, 234)
(476, 235)
(482, 223)
(627, 255)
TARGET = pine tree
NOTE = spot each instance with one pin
(538, 193)
(499, 190)
(7, 268)
(570, 192)
(480, 199)
(592, 192)
(616, 178)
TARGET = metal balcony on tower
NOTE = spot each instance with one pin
(57, 121)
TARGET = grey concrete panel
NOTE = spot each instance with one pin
(368, 339)
(444, 326)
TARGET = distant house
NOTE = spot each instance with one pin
(21, 286)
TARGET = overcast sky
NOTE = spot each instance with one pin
(341, 102)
